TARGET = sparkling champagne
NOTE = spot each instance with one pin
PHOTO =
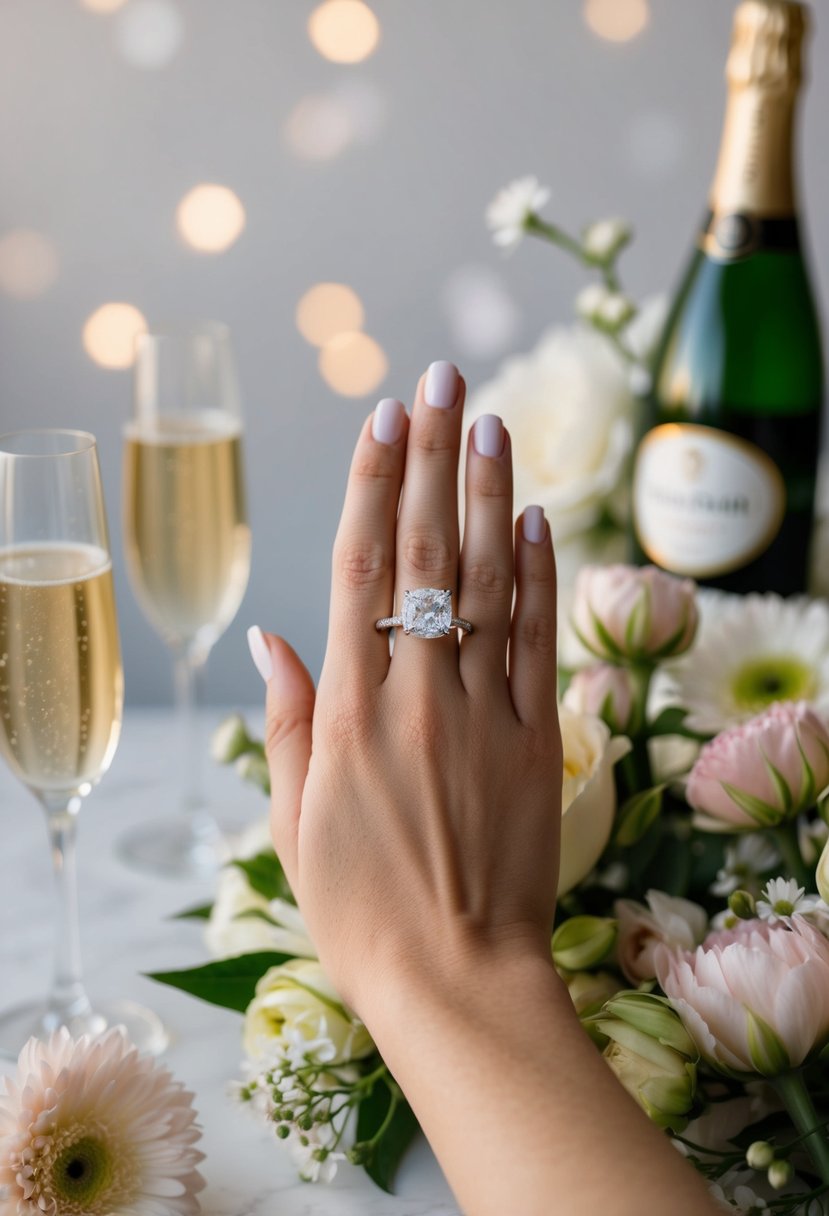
(724, 482)
(185, 521)
(61, 685)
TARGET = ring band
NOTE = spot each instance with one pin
(427, 613)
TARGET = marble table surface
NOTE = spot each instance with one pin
(126, 930)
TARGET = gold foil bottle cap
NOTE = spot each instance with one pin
(766, 44)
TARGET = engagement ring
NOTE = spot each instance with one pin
(427, 613)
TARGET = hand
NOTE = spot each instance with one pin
(423, 823)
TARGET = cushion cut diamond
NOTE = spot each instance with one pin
(427, 612)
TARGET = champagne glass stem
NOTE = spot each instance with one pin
(189, 681)
(68, 999)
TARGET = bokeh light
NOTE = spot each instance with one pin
(482, 316)
(617, 20)
(210, 218)
(326, 310)
(345, 31)
(103, 6)
(28, 263)
(110, 332)
(149, 32)
(318, 128)
(353, 364)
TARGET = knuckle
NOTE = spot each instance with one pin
(349, 722)
(491, 484)
(360, 564)
(433, 440)
(487, 579)
(281, 726)
(537, 633)
(372, 466)
(427, 553)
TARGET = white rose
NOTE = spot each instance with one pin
(588, 803)
(230, 932)
(299, 997)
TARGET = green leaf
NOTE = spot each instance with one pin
(637, 815)
(388, 1152)
(199, 912)
(265, 875)
(227, 982)
(671, 721)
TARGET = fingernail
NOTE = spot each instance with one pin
(387, 423)
(260, 652)
(534, 525)
(441, 387)
(488, 435)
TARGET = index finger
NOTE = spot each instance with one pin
(362, 574)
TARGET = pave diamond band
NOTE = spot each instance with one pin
(427, 613)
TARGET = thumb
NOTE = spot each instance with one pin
(289, 710)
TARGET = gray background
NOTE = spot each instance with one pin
(96, 153)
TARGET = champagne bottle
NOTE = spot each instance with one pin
(724, 478)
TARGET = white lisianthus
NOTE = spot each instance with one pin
(588, 803)
(244, 922)
(507, 214)
(299, 997)
(602, 240)
(569, 410)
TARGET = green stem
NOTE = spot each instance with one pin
(796, 1099)
(557, 236)
(395, 1097)
(785, 837)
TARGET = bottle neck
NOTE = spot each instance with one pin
(755, 176)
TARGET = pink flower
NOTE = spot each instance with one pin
(666, 921)
(763, 771)
(622, 612)
(604, 691)
(754, 998)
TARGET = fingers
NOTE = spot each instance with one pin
(486, 564)
(427, 526)
(362, 580)
(289, 711)
(532, 645)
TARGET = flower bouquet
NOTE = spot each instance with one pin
(690, 930)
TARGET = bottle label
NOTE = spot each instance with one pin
(704, 502)
(731, 235)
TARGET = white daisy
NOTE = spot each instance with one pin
(89, 1127)
(750, 651)
(751, 855)
(782, 897)
(507, 214)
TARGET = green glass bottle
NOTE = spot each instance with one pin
(725, 471)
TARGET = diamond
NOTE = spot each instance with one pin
(427, 612)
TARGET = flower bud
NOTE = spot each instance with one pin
(764, 771)
(742, 904)
(590, 989)
(760, 1155)
(780, 1174)
(604, 239)
(639, 615)
(254, 768)
(583, 941)
(652, 1055)
(230, 740)
(606, 692)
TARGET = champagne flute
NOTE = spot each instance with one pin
(187, 545)
(61, 687)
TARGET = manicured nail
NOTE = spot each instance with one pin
(387, 423)
(488, 435)
(260, 653)
(441, 387)
(534, 525)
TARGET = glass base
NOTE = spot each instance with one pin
(191, 846)
(144, 1028)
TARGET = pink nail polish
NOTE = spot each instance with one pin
(488, 435)
(441, 387)
(387, 423)
(260, 652)
(534, 525)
